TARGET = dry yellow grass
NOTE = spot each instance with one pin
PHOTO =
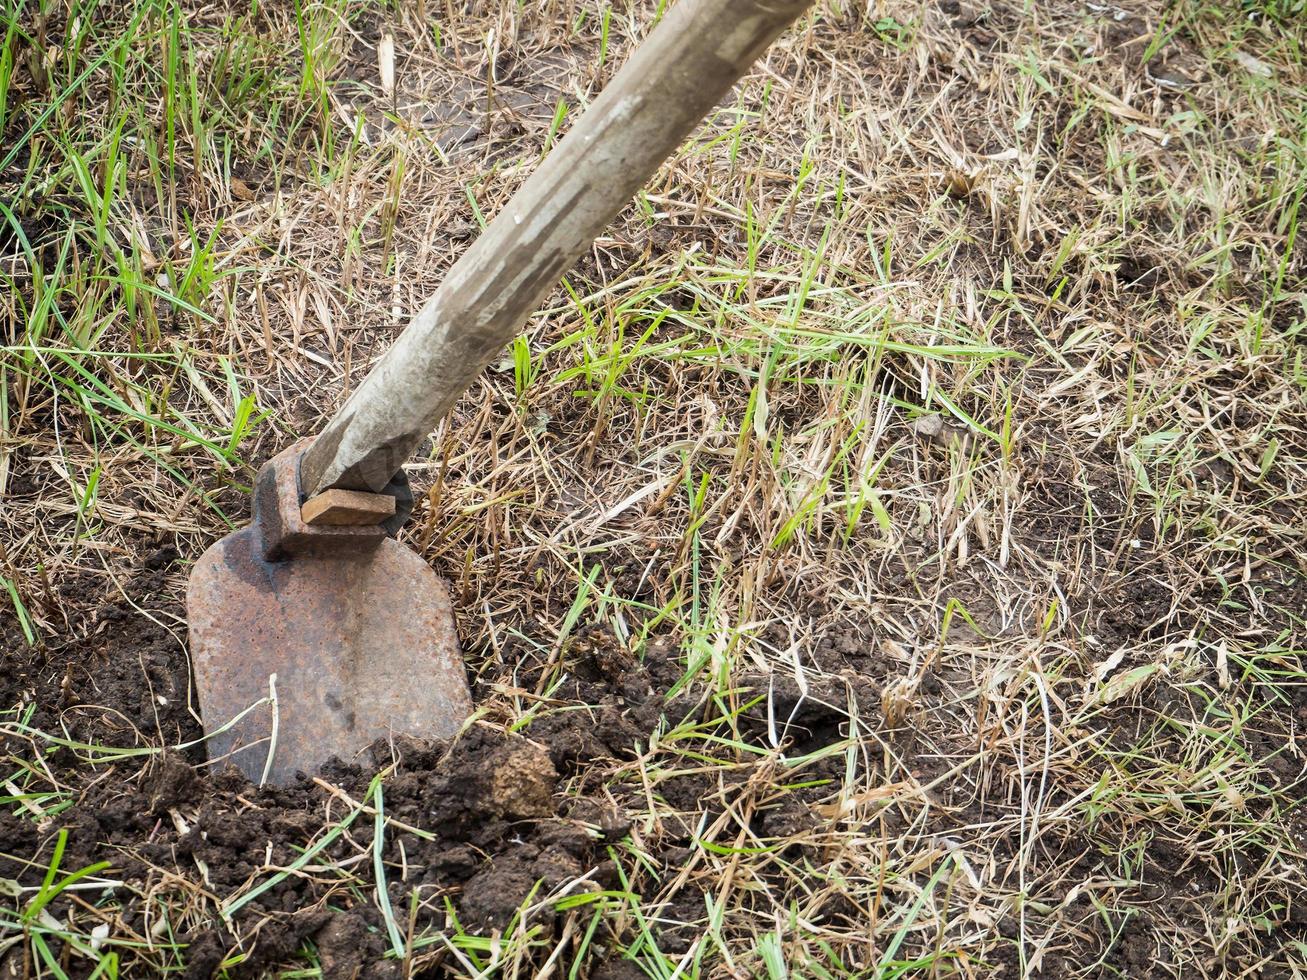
(893, 530)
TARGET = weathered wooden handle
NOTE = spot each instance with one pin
(687, 64)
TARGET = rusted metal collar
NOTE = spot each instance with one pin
(278, 501)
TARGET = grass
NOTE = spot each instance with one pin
(936, 413)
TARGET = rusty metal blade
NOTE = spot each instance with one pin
(362, 645)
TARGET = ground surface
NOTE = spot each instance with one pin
(883, 558)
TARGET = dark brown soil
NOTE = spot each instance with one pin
(117, 675)
(500, 817)
(495, 827)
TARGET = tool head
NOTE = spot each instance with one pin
(357, 629)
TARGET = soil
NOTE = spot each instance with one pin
(497, 827)
(501, 817)
(507, 815)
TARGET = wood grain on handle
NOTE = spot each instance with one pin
(684, 68)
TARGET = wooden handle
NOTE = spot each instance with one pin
(687, 64)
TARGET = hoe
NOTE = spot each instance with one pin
(313, 628)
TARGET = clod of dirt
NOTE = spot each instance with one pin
(493, 895)
(521, 782)
(618, 970)
(611, 824)
(161, 557)
(787, 818)
(169, 781)
(600, 655)
(346, 946)
(204, 954)
(483, 777)
(20, 837)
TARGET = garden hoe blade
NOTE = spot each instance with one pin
(337, 635)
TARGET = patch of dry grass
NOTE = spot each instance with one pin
(934, 420)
